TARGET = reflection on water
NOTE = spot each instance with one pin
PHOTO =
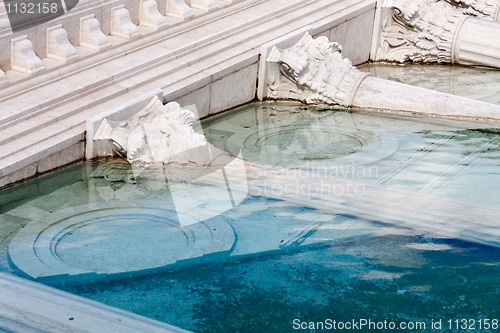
(453, 159)
(473, 82)
(404, 247)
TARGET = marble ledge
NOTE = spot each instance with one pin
(32, 307)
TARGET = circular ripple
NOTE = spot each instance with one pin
(113, 240)
(310, 145)
(109, 242)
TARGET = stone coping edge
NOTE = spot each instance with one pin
(27, 306)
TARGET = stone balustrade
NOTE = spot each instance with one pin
(92, 26)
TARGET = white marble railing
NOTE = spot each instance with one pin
(87, 29)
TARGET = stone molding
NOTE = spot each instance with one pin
(84, 29)
(27, 306)
(312, 71)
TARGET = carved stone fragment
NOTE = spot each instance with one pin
(313, 71)
(159, 134)
(418, 31)
(433, 31)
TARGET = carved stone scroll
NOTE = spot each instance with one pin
(159, 134)
(488, 10)
(433, 31)
(313, 71)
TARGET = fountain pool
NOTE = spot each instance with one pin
(410, 238)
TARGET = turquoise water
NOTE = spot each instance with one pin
(377, 278)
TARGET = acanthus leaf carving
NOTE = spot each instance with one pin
(313, 71)
(483, 9)
(419, 31)
(159, 134)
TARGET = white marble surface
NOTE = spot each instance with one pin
(23, 57)
(149, 16)
(31, 307)
(58, 45)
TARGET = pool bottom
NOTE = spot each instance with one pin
(394, 278)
